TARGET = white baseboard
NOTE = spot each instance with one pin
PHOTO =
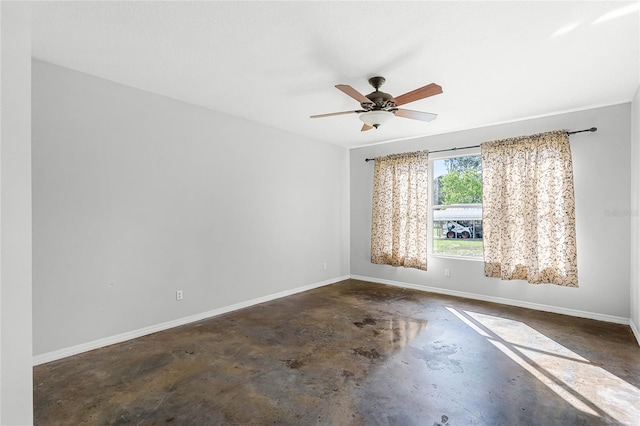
(100, 343)
(96, 344)
(636, 333)
(504, 301)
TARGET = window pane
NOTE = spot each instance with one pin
(457, 211)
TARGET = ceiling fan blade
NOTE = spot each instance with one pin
(345, 88)
(333, 113)
(366, 127)
(421, 93)
(416, 115)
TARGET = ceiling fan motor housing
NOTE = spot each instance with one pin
(380, 100)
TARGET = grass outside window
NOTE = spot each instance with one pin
(458, 247)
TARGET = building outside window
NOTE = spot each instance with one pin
(457, 206)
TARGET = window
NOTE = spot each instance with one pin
(457, 206)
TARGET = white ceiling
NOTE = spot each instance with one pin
(276, 62)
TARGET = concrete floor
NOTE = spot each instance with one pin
(356, 353)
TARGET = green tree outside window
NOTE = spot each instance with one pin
(462, 187)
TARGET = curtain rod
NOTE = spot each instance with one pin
(592, 129)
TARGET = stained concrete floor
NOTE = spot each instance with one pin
(355, 353)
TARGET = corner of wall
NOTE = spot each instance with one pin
(635, 216)
(636, 332)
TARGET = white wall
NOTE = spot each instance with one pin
(136, 196)
(635, 213)
(602, 185)
(16, 388)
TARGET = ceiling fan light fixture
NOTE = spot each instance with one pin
(376, 118)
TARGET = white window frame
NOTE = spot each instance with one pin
(443, 156)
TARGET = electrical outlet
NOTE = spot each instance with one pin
(324, 266)
(179, 295)
(447, 273)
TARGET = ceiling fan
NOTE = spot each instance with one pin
(379, 107)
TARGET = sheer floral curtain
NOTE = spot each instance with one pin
(528, 209)
(399, 217)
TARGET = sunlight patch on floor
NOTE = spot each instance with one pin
(586, 386)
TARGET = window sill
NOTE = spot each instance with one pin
(444, 256)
